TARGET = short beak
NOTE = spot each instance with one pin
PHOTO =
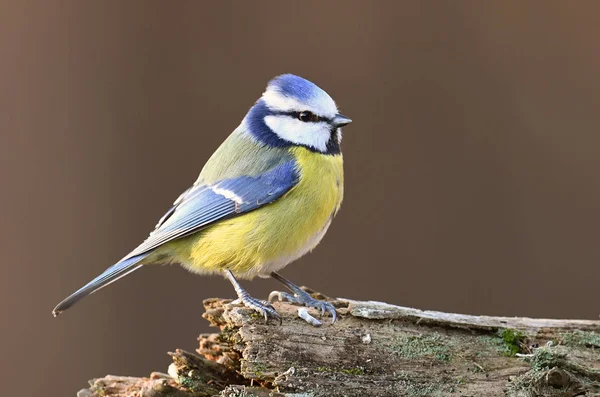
(340, 120)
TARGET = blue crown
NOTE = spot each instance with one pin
(295, 87)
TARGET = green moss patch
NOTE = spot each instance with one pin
(581, 339)
(513, 341)
(423, 346)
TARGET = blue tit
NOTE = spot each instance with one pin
(265, 198)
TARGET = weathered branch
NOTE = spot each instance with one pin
(376, 349)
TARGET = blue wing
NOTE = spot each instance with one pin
(202, 205)
(198, 207)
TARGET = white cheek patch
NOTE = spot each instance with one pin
(315, 135)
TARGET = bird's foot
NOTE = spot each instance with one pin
(303, 298)
(299, 296)
(264, 308)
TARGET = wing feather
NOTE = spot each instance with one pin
(202, 205)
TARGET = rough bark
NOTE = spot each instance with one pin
(376, 349)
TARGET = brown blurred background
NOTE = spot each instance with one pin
(472, 163)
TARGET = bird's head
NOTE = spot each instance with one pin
(295, 112)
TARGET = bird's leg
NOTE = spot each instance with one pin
(301, 297)
(263, 307)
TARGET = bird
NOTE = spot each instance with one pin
(265, 198)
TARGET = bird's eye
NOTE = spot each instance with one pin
(307, 116)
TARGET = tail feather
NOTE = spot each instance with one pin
(110, 275)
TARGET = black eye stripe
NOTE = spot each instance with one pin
(296, 115)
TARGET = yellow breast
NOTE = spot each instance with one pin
(274, 235)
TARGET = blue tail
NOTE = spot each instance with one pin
(110, 275)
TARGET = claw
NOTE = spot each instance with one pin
(306, 300)
(284, 297)
(300, 296)
(262, 307)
